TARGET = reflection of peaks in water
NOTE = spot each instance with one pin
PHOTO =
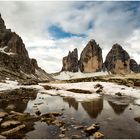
(72, 102)
(118, 108)
(93, 108)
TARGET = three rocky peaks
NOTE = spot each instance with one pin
(117, 60)
(14, 59)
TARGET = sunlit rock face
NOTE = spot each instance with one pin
(91, 58)
(14, 57)
(70, 62)
(117, 60)
(134, 66)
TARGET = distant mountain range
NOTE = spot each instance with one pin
(117, 60)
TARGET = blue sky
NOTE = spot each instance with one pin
(51, 29)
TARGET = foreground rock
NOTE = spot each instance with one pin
(70, 62)
(117, 60)
(91, 129)
(9, 123)
(13, 130)
(3, 114)
(91, 58)
(98, 135)
(14, 59)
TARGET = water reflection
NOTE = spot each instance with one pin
(72, 102)
(93, 108)
(118, 108)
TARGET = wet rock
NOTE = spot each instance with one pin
(99, 91)
(63, 129)
(137, 119)
(118, 94)
(1, 119)
(2, 137)
(13, 130)
(91, 58)
(76, 137)
(79, 127)
(91, 129)
(9, 123)
(58, 123)
(38, 112)
(17, 113)
(3, 114)
(98, 86)
(61, 135)
(98, 135)
(10, 107)
(56, 114)
(70, 62)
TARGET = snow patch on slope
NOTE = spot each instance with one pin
(70, 75)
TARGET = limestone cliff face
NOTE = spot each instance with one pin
(70, 62)
(134, 66)
(14, 56)
(91, 58)
(117, 60)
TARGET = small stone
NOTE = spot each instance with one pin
(98, 86)
(58, 123)
(98, 135)
(93, 128)
(99, 91)
(63, 130)
(1, 119)
(79, 127)
(13, 130)
(38, 112)
(130, 108)
(7, 124)
(118, 93)
(76, 136)
(3, 114)
(10, 107)
(61, 135)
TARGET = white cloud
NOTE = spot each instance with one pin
(110, 22)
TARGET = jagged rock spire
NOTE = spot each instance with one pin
(91, 58)
(2, 24)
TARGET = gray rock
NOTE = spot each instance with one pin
(117, 60)
(13, 130)
(3, 114)
(9, 123)
(134, 66)
(91, 58)
(70, 62)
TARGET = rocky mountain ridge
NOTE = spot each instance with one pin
(117, 60)
(14, 59)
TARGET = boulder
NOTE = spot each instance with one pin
(91, 129)
(3, 114)
(70, 62)
(13, 130)
(98, 135)
(91, 58)
(117, 60)
(9, 123)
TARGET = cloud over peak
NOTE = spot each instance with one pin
(51, 29)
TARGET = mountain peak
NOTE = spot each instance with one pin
(2, 24)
